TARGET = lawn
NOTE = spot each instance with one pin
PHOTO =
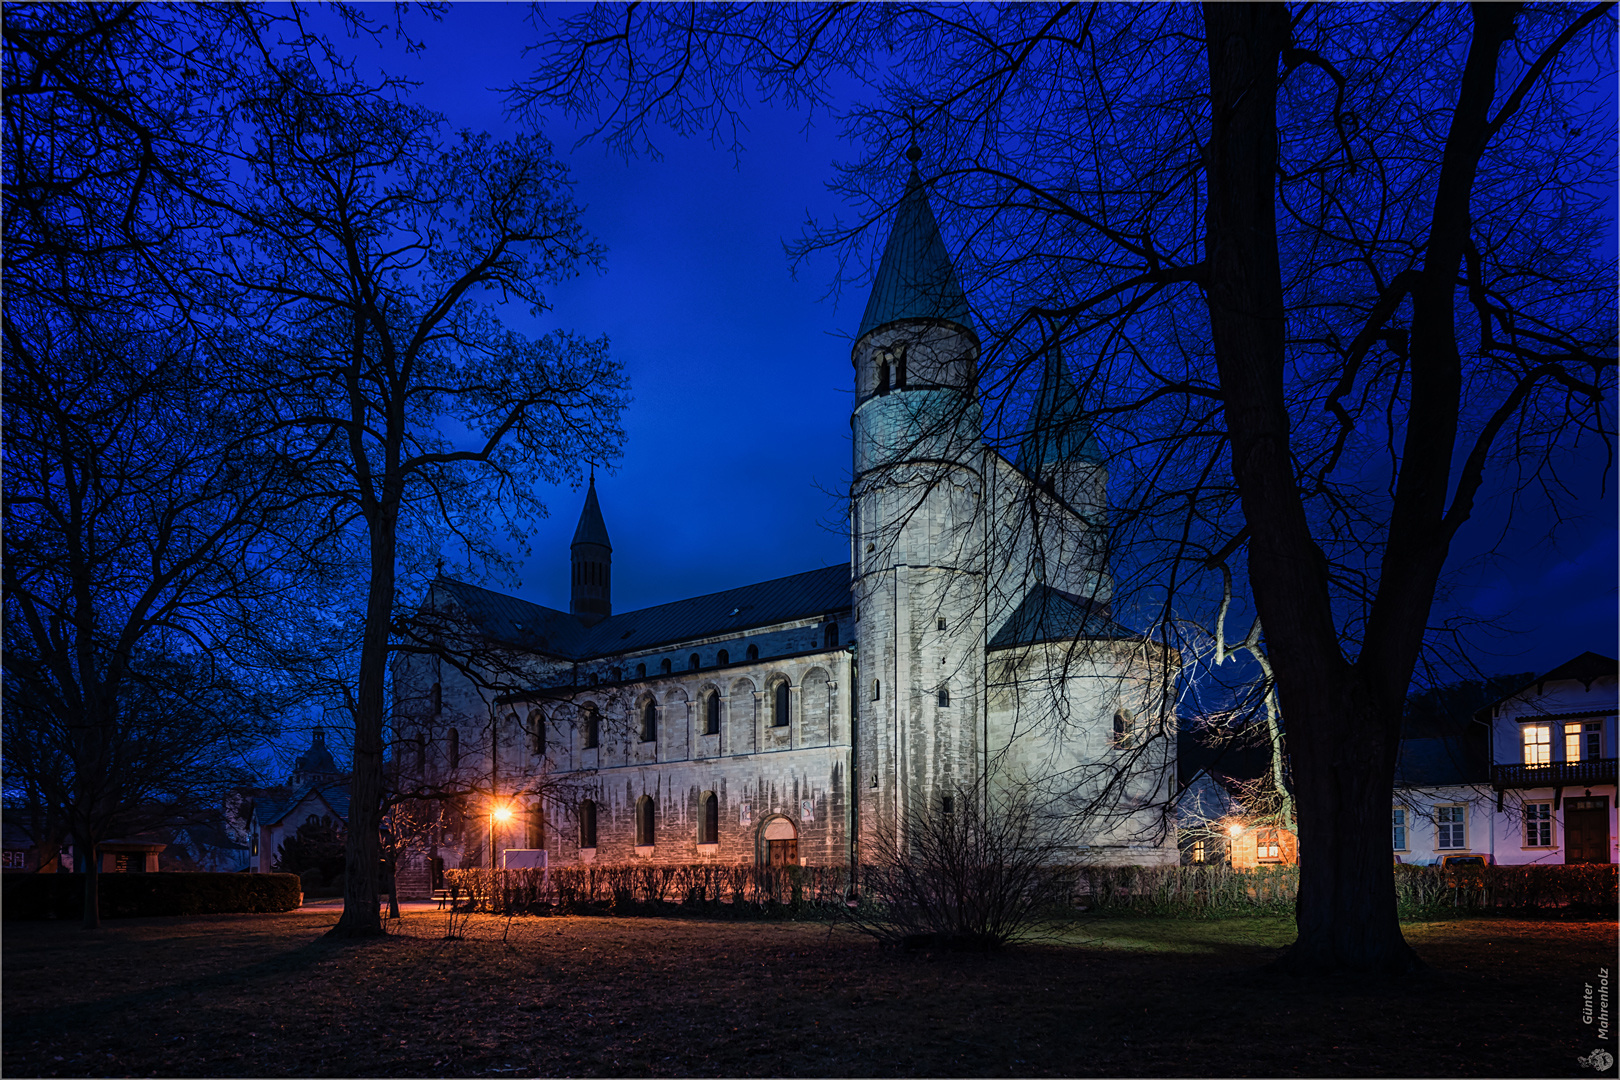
(266, 995)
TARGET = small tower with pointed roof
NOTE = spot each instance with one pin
(1059, 450)
(591, 588)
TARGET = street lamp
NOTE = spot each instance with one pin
(502, 813)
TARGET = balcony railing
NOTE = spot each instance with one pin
(1556, 774)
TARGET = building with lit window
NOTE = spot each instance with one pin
(1530, 778)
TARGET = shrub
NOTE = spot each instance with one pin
(975, 876)
(61, 896)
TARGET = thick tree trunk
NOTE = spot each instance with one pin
(361, 917)
(84, 859)
(1340, 733)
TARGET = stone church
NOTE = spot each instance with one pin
(968, 646)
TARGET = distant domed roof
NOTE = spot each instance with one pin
(317, 759)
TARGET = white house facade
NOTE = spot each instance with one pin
(1531, 780)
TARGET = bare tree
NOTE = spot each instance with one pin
(1328, 272)
(366, 256)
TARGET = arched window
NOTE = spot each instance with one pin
(664, 665)
(944, 695)
(1122, 726)
(592, 722)
(453, 748)
(722, 657)
(436, 699)
(708, 818)
(649, 721)
(537, 732)
(877, 689)
(587, 824)
(692, 662)
(829, 636)
(753, 652)
(641, 671)
(644, 821)
(711, 713)
(883, 377)
(900, 368)
(535, 822)
(420, 752)
(615, 674)
(780, 705)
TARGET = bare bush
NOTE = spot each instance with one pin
(974, 872)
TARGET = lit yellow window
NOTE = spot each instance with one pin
(1537, 744)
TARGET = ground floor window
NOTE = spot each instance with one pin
(1451, 827)
(1538, 824)
(1398, 827)
(1268, 846)
(587, 824)
(644, 821)
(1198, 852)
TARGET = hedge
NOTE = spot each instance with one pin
(61, 896)
(1181, 891)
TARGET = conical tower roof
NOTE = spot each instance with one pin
(1059, 429)
(592, 529)
(915, 280)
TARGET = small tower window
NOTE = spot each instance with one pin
(665, 666)
(436, 699)
(453, 750)
(1123, 722)
(883, 376)
(649, 721)
(944, 696)
(641, 671)
(877, 689)
(615, 674)
(587, 824)
(942, 622)
(722, 657)
(753, 652)
(711, 713)
(593, 727)
(644, 821)
(900, 369)
(420, 750)
(779, 713)
(692, 662)
(829, 636)
(948, 804)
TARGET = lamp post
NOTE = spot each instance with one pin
(501, 812)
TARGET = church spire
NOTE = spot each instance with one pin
(591, 592)
(915, 280)
(1059, 431)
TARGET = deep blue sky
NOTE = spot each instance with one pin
(739, 432)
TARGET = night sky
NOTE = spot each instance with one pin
(739, 431)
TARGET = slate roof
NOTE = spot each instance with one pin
(1059, 429)
(915, 280)
(1050, 614)
(592, 529)
(518, 622)
(273, 804)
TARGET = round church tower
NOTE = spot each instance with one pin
(918, 528)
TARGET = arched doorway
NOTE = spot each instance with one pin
(781, 842)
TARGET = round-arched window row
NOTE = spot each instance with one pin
(646, 821)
